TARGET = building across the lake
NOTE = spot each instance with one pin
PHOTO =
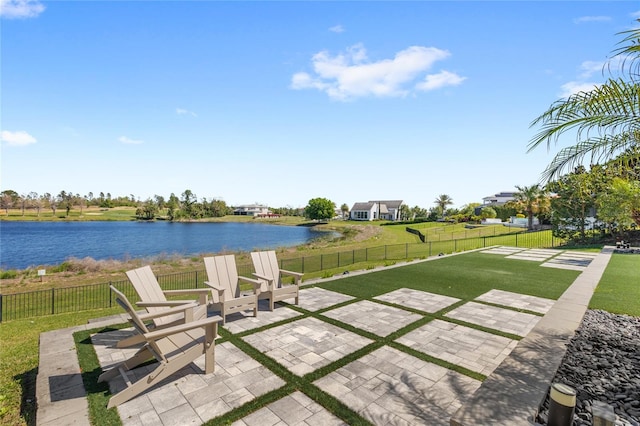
(373, 210)
(252, 210)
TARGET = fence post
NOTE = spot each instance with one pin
(429, 248)
(455, 245)
(321, 262)
(196, 279)
(0, 307)
(53, 301)
(516, 239)
(385, 252)
(110, 298)
(366, 254)
(303, 264)
(406, 250)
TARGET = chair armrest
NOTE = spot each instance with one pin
(216, 287)
(297, 275)
(167, 303)
(256, 283)
(205, 322)
(203, 293)
(262, 277)
(170, 311)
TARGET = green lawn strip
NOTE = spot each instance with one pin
(619, 288)
(98, 394)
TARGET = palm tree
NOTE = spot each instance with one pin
(606, 120)
(532, 200)
(442, 202)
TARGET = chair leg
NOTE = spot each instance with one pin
(138, 358)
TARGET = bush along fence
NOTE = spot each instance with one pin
(98, 296)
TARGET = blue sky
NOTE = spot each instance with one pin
(281, 102)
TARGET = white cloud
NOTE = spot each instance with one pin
(351, 74)
(182, 111)
(442, 79)
(337, 29)
(129, 141)
(15, 9)
(588, 68)
(574, 87)
(19, 138)
(585, 19)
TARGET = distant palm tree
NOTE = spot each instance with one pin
(442, 202)
(532, 200)
(605, 120)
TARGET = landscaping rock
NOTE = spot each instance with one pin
(602, 363)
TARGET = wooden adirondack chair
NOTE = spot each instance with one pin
(224, 282)
(173, 347)
(265, 263)
(154, 300)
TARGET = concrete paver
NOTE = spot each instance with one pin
(294, 409)
(516, 300)
(239, 322)
(417, 299)
(576, 261)
(305, 345)
(388, 386)
(375, 318)
(467, 347)
(505, 320)
(502, 250)
(316, 298)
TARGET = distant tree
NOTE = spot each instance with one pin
(573, 203)
(35, 201)
(148, 210)
(617, 204)
(344, 208)
(173, 206)
(488, 213)
(320, 209)
(405, 212)
(8, 199)
(160, 202)
(531, 200)
(442, 202)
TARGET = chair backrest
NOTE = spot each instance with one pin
(149, 290)
(138, 324)
(221, 270)
(266, 263)
(122, 300)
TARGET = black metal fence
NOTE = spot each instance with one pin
(98, 296)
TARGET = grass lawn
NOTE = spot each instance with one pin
(619, 287)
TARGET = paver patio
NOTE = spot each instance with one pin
(390, 387)
(517, 301)
(503, 250)
(505, 320)
(375, 318)
(577, 261)
(305, 345)
(473, 349)
(417, 299)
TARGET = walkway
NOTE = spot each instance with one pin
(388, 385)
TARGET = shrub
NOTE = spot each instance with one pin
(11, 273)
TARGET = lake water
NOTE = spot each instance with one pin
(27, 244)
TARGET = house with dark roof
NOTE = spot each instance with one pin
(251, 210)
(374, 210)
(498, 199)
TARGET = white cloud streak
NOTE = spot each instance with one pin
(20, 9)
(350, 74)
(182, 111)
(587, 19)
(337, 29)
(18, 138)
(129, 141)
(573, 87)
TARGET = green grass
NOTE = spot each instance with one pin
(463, 276)
(619, 288)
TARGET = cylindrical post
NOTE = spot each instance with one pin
(562, 402)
